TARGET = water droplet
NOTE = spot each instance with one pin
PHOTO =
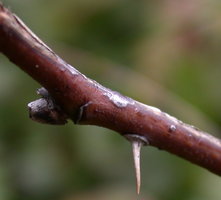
(36, 66)
(172, 128)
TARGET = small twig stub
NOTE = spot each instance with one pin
(45, 110)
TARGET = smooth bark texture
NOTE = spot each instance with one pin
(87, 102)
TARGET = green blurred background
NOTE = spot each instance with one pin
(162, 53)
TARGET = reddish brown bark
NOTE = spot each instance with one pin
(87, 102)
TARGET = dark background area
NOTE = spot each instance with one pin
(162, 53)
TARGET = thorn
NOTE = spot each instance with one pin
(136, 147)
(137, 142)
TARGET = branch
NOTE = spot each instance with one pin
(86, 102)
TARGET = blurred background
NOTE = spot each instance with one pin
(162, 53)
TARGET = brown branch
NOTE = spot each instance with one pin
(87, 102)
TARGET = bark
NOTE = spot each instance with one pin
(86, 102)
